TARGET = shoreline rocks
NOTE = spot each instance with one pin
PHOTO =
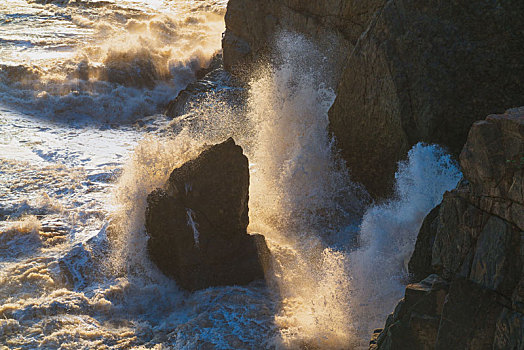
(198, 223)
(475, 243)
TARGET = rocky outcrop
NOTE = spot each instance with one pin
(416, 318)
(475, 244)
(197, 225)
(335, 25)
(407, 71)
(425, 71)
(208, 79)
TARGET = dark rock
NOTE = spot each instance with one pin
(493, 162)
(420, 262)
(334, 25)
(213, 79)
(415, 321)
(197, 225)
(458, 229)
(207, 80)
(179, 105)
(469, 317)
(425, 71)
(475, 240)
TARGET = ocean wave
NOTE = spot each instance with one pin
(130, 67)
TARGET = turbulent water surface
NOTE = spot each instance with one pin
(83, 141)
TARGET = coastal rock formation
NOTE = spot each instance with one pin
(407, 71)
(425, 71)
(197, 225)
(207, 80)
(475, 243)
(335, 25)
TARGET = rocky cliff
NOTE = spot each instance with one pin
(472, 248)
(335, 25)
(407, 71)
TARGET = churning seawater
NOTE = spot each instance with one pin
(83, 141)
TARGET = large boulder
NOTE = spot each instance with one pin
(425, 71)
(198, 223)
(474, 240)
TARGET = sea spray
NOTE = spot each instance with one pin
(149, 168)
(302, 200)
(301, 196)
(389, 231)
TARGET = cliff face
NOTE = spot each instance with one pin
(425, 71)
(335, 25)
(407, 71)
(473, 247)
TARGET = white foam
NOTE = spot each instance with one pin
(194, 226)
(389, 231)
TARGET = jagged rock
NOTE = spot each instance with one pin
(475, 240)
(493, 162)
(197, 225)
(469, 316)
(425, 71)
(206, 82)
(458, 229)
(178, 106)
(211, 80)
(415, 321)
(420, 262)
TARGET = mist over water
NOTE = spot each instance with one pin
(68, 180)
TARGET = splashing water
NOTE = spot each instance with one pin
(389, 231)
(64, 182)
(301, 196)
(115, 61)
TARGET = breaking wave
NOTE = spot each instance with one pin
(74, 270)
(129, 66)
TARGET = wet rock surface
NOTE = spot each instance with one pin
(211, 81)
(475, 242)
(425, 72)
(406, 71)
(198, 223)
